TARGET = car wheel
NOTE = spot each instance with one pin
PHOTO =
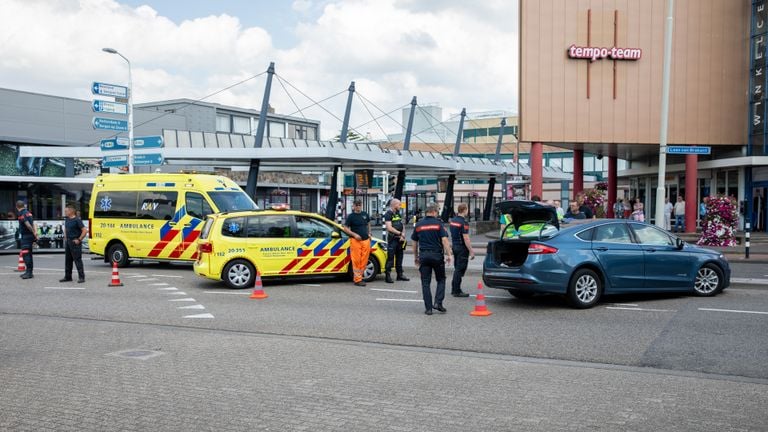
(521, 294)
(371, 269)
(239, 274)
(709, 281)
(119, 254)
(585, 289)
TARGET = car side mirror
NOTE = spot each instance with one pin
(335, 235)
(679, 243)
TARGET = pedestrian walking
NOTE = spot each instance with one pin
(430, 245)
(75, 232)
(462, 249)
(358, 226)
(27, 237)
(618, 209)
(668, 207)
(393, 222)
(680, 214)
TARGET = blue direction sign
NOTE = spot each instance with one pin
(155, 141)
(114, 144)
(110, 124)
(114, 161)
(148, 159)
(109, 107)
(698, 150)
(105, 89)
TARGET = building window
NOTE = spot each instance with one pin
(276, 129)
(241, 125)
(301, 132)
(222, 123)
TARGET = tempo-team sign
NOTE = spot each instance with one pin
(597, 53)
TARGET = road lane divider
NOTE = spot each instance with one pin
(205, 315)
(393, 290)
(639, 309)
(188, 299)
(734, 311)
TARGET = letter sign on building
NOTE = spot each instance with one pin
(598, 53)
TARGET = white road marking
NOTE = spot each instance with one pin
(146, 280)
(188, 299)
(224, 292)
(137, 276)
(640, 309)
(20, 273)
(192, 307)
(205, 315)
(159, 284)
(58, 269)
(399, 300)
(492, 296)
(311, 285)
(754, 281)
(168, 276)
(626, 304)
(167, 289)
(734, 311)
(65, 288)
(393, 290)
(176, 293)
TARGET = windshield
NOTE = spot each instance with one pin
(232, 201)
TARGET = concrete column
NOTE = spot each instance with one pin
(612, 184)
(691, 198)
(578, 171)
(536, 160)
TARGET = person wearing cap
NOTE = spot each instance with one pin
(431, 250)
(461, 245)
(393, 222)
(28, 235)
(358, 227)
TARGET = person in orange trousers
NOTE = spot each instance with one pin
(358, 226)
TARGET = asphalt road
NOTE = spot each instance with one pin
(326, 355)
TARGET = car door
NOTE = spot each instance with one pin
(620, 257)
(197, 208)
(666, 267)
(273, 245)
(322, 250)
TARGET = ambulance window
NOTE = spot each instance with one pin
(232, 201)
(157, 205)
(197, 205)
(233, 227)
(115, 205)
(206, 228)
(269, 226)
(307, 227)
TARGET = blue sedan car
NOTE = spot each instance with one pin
(585, 261)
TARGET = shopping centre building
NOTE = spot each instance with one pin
(591, 82)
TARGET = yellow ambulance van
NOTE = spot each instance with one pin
(157, 216)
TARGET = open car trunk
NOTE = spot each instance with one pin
(509, 253)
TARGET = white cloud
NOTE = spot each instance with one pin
(447, 52)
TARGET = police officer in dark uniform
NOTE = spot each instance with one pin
(73, 251)
(462, 249)
(28, 236)
(431, 250)
(393, 222)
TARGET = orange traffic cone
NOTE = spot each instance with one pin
(258, 289)
(21, 267)
(480, 308)
(115, 276)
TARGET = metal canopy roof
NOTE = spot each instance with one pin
(183, 147)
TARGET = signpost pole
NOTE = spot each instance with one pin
(660, 189)
(130, 117)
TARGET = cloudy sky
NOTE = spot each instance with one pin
(450, 52)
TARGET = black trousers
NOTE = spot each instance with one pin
(429, 262)
(460, 263)
(27, 245)
(73, 253)
(394, 256)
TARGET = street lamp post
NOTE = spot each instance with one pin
(130, 108)
(667, 65)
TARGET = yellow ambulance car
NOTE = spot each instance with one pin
(157, 216)
(279, 243)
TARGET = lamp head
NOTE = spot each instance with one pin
(109, 50)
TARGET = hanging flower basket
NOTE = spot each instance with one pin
(595, 200)
(718, 227)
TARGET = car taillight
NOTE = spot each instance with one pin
(540, 249)
(206, 247)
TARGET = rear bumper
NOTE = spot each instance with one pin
(519, 280)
